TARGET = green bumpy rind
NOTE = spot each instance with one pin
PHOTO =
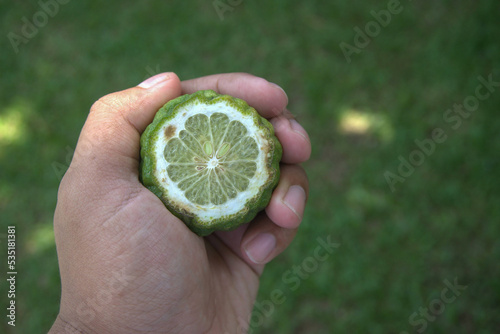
(254, 205)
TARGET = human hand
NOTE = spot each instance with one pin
(127, 264)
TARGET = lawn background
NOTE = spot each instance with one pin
(396, 248)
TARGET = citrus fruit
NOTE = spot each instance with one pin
(211, 159)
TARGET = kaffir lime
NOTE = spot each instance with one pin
(211, 159)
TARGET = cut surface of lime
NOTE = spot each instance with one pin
(212, 160)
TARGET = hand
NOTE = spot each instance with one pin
(127, 264)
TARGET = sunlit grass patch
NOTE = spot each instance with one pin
(40, 238)
(358, 122)
(12, 122)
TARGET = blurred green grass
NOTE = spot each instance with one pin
(396, 248)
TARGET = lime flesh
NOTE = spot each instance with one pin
(211, 159)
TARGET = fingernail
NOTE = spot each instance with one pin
(260, 247)
(277, 86)
(295, 200)
(297, 128)
(154, 80)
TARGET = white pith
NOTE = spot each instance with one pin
(210, 212)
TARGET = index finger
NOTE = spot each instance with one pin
(269, 99)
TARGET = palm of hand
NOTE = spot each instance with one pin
(153, 272)
(164, 258)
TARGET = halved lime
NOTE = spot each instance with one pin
(212, 160)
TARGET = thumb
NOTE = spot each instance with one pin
(109, 144)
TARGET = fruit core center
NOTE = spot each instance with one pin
(213, 162)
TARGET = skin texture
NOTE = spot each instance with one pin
(129, 266)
